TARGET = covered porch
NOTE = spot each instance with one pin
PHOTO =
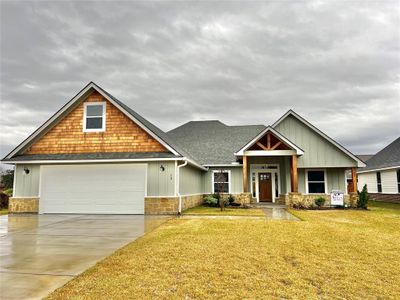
(271, 173)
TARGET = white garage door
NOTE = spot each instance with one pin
(93, 189)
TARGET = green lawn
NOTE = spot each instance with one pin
(3, 211)
(216, 211)
(343, 254)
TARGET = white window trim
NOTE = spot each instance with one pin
(86, 104)
(229, 179)
(325, 181)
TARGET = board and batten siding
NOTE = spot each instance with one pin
(191, 181)
(27, 185)
(318, 152)
(236, 179)
(161, 183)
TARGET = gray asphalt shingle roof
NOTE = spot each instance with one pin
(386, 158)
(212, 142)
(157, 131)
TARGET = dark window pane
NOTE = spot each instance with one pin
(315, 175)
(398, 176)
(94, 110)
(221, 187)
(221, 177)
(94, 123)
(379, 188)
(378, 177)
(316, 187)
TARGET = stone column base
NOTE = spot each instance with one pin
(23, 205)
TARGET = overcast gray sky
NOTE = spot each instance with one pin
(335, 63)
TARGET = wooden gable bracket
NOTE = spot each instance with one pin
(268, 147)
(262, 146)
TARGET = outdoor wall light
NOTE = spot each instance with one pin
(26, 170)
(162, 168)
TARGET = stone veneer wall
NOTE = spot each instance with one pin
(192, 201)
(161, 205)
(307, 200)
(23, 205)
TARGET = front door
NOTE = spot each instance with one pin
(265, 187)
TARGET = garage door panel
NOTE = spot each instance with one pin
(102, 189)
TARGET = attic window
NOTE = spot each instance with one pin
(94, 119)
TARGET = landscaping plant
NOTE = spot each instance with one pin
(320, 201)
(363, 198)
(211, 201)
(231, 199)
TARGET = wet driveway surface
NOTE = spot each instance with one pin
(39, 253)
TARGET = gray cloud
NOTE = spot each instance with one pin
(335, 63)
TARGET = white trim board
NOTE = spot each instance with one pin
(377, 169)
(360, 163)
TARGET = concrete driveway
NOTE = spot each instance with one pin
(39, 253)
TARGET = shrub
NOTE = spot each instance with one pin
(231, 199)
(320, 201)
(7, 179)
(8, 192)
(363, 198)
(3, 200)
(211, 201)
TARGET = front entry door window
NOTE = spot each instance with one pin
(265, 187)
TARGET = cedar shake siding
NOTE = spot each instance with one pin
(121, 134)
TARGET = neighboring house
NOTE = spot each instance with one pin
(382, 173)
(362, 157)
(96, 155)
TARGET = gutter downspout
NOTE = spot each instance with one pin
(177, 185)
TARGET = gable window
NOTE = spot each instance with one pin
(221, 181)
(398, 180)
(94, 118)
(379, 182)
(316, 182)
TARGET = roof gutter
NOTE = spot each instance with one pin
(377, 169)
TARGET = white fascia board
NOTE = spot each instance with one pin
(360, 163)
(72, 102)
(377, 169)
(277, 134)
(270, 153)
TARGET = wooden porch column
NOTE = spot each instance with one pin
(244, 174)
(293, 173)
(354, 180)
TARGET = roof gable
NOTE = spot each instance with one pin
(121, 135)
(328, 152)
(260, 136)
(149, 128)
(388, 157)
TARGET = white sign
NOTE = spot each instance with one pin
(337, 198)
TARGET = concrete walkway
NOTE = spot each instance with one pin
(39, 253)
(271, 213)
